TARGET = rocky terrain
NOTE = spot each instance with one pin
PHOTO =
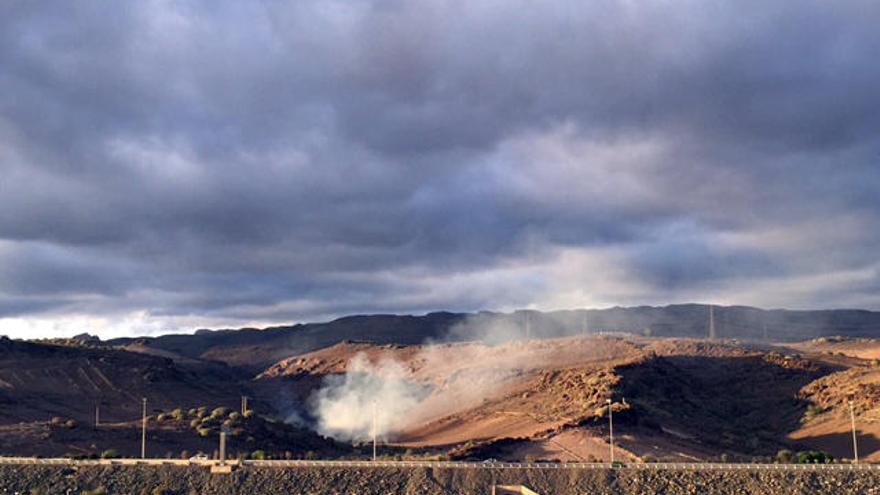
(673, 399)
(424, 481)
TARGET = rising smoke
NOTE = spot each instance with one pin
(473, 362)
(344, 406)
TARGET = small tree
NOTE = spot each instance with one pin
(220, 411)
(784, 456)
(110, 454)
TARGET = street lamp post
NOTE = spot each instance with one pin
(144, 429)
(852, 417)
(223, 431)
(374, 430)
(611, 427)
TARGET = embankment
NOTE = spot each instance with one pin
(51, 480)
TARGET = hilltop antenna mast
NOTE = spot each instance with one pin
(584, 326)
(712, 322)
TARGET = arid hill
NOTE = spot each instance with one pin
(49, 394)
(673, 399)
(41, 380)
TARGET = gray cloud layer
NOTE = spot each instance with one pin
(170, 164)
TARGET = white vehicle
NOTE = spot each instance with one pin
(199, 457)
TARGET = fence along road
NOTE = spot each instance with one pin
(658, 466)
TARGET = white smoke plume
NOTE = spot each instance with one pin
(443, 377)
(346, 404)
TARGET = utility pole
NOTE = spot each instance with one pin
(611, 427)
(144, 429)
(222, 445)
(374, 431)
(712, 322)
(244, 405)
(852, 417)
(97, 415)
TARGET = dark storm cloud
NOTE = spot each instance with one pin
(270, 161)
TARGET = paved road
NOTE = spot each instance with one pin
(448, 464)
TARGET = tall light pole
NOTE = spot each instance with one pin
(374, 430)
(244, 405)
(852, 417)
(223, 431)
(144, 429)
(611, 427)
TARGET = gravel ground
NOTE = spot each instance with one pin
(51, 480)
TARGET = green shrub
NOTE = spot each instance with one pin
(784, 456)
(204, 432)
(814, 410)
(110, 454)
(259, 455)
(813, 457)
(220, 411)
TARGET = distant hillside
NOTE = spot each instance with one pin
(39, 381)
(256, 349)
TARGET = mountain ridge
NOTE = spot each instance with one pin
(257, 348)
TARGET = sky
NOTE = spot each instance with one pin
(167, 166)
